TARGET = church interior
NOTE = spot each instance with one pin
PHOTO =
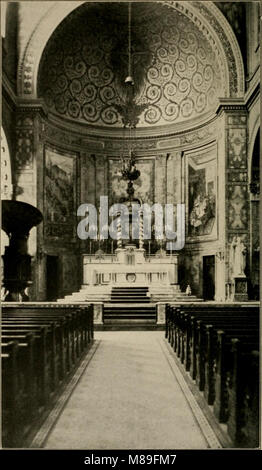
(130, 170)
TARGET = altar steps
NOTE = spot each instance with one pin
(129, 316)
(129, 295)
(122, 299)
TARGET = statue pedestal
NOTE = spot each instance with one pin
(240, 289)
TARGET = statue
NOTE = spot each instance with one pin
(188, 290)
(237, 256)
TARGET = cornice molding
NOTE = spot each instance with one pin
(161, 132)
(231, 104)
(33, 106)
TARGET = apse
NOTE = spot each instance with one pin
(177, 75)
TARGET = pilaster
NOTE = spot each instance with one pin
(236, 184)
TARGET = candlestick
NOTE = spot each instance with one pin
(90, 247)
(149, 243)
(112, 247)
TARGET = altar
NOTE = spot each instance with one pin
(130, 266)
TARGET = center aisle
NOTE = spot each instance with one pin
(128, 398)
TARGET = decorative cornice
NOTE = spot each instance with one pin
(231, 104)
(168, 130)
(32, 105)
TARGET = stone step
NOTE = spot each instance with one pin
(130, 319)
(136, 311)
(126, 322)
(140, 289)
(129, 326)
(127, 294)
(133, 305)
(129, 288)
(127, 301)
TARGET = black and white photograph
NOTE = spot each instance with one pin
(130, 229)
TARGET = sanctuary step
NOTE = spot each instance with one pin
(129, 314)
(129, 295)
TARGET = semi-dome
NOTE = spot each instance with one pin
(177, 75)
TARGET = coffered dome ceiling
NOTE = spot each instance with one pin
(82, 71)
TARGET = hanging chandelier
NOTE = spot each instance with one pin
(129, 81)
(129, 171)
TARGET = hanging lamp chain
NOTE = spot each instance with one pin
(129, 40)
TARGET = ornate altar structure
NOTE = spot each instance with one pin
(129, 267)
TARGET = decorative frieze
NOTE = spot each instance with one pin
(112, 145)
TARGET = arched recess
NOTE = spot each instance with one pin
(254, 215)
(6, 171)
(205, 15)
(6, 181)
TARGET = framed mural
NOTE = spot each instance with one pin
(201, 194)
(60, 195)
(143, 186)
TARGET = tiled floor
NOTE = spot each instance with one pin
(129, 398)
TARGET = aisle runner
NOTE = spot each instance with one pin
(131, 396)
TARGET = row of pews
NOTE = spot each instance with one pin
(42, 345)
(219, 347)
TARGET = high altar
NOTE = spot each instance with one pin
(128, 267)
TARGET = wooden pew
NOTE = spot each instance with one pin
(55, 340)
(26, 385)
(175, 325)
(202, 337)
(243, 396)
(10, 394)
(224, 369)
(42, 359)
(63, 344)
(203, 353)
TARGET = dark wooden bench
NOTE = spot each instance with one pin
(243, 396)
(41, 347)
(204, 339)
(24, 386)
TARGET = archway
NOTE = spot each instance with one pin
(208, 19)
(254, 215)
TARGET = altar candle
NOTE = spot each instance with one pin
(149, 248)
(112, 247)
(90, 247)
